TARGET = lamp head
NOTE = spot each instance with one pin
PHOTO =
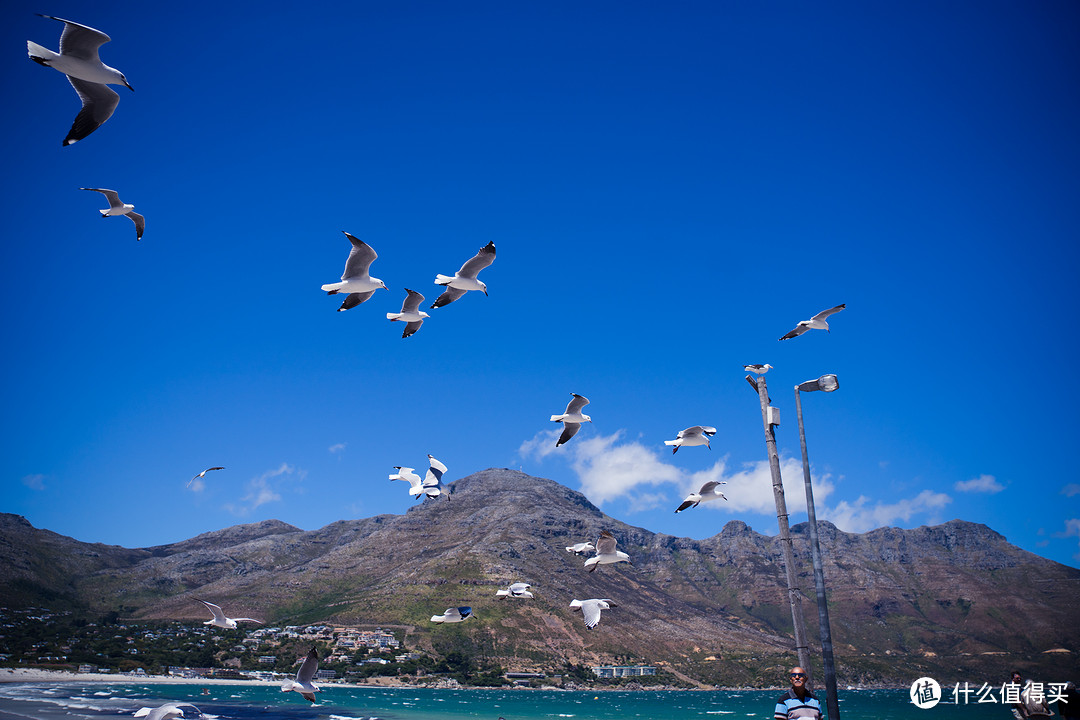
(827, 383)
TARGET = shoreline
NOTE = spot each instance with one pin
(35, 675)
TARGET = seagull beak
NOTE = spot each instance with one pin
(129, 86)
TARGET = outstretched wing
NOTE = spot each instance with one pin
(448, 296)
(354, 299)
(831, 311)
(799, 330)
(307, 671)
(605, 544)
(569, 430)
(360, 258)
(478, 262)
(98, 103)
(575, 405)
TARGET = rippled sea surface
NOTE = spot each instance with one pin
(85, 701)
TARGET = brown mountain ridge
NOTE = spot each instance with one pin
(952, 600)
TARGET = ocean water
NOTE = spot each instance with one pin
(86, 701)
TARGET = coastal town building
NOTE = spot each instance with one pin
(620, 671)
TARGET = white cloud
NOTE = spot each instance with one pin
(1072, 529)
(861, 516)
(197, 485)
(336, 448)
(983, 484)
(1071, 489)
(265, 489)
(609, 470)
(34, 482)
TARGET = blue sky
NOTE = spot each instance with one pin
(670, 188)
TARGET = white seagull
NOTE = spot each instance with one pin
(580, 548)
(697, 435)
(415, 484)
(709, 491)
(606, 554)
(572, 418)
(516, 590)
(433, 486)
(590, 609)
(355, 280)
(78, 59)
(815, 323)
(116, 207)
(219, 619)
(464, 279)
(168, 711)
(453, 615)
(758, 369)
(411, 314)
(302, 684)
(202, 474)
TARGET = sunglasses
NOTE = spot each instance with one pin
(798, 675)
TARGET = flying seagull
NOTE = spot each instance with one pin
(433, 486)
(815, 323)
(758, 369)
(302, 684)
(516, 590)
(415, 484)
(355, 280)
(606, 554)
(116, 207)
(453, 615)
(697, 435)
(590, 609)
(572, 418)
(708, 491)
(78, 59)
(219, 619)
(168, 711)
(411, 314)
(464, 279)
(580, 548)
(202, 474)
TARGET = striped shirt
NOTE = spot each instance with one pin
(789, 706)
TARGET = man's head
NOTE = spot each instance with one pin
(798, 679)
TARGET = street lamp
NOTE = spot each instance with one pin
(826, 383)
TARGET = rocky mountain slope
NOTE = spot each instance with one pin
(954, 598)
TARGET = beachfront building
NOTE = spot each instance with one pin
(620, 671)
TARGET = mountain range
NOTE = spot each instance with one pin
(953, 601)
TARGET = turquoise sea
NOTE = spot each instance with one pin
(80, 701)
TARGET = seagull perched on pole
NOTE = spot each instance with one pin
(691, 436)
(78, 59)
(590, 609)
(572, 418)
(708, 491)
(516, 590)
(355, 280)
(302, 684)
(202, 474)
(464, 279)
(606, 554)
(116, 207)
(815, 323)
(219, 619)
(758, 369)
(410, 314)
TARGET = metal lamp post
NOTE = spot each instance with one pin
(770, 417)
(826, 383)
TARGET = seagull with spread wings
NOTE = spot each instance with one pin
(606, 554)
(302, 684)
(410, 314)
(464, 279)
(516, 590)
(117, 207)
(590, 609)
(219, 619)
(202, 474)
(356, 280)
(691, 436)
(818, 322)
(453, 615)
(78, 59)
(708, 491)
(572, 418)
